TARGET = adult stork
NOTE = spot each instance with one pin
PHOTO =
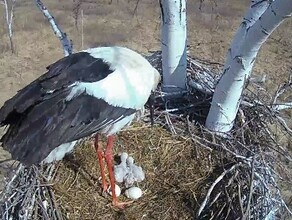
(95, 91)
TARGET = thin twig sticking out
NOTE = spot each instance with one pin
(66, 43)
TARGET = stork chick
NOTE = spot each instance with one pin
(135, 174)
(121, 170)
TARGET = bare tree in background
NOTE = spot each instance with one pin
(262, 18)
(9, 13)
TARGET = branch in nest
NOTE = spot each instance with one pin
(284, 124)
(282, 88)
(213, 186)
(197, 86)
(247, 212)
(282, 106)
(25, 197)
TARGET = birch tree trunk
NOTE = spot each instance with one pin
(256, 9)
(173, 37)
(226, 99)
(9, 13)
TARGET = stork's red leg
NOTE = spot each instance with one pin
(109, 161)
(100, 156)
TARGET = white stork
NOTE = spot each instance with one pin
(95, 91)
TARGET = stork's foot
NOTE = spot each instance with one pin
(121, 205)
(104, 186)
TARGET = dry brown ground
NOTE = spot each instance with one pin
(210, 31)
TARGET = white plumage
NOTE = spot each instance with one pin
(128, 86)
(59, 152)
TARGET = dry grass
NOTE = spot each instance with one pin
(173, 178)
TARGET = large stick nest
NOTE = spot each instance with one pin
(190, 172)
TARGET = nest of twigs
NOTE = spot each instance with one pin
(190, 172)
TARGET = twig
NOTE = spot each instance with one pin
(282, 88)
(9, 185)
(282, 106)
(247, 211)
(284, 124)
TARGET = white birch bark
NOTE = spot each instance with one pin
(66, 43)
(226, 99)
(9, 13)
(173, 37)
(256, 9)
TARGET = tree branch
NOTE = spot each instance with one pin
(66, 43)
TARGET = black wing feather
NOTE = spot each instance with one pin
(76, 67)
(80, 67)
(48, 126)
(39, 117)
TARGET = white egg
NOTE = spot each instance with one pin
(117, 189)
(133, 192)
